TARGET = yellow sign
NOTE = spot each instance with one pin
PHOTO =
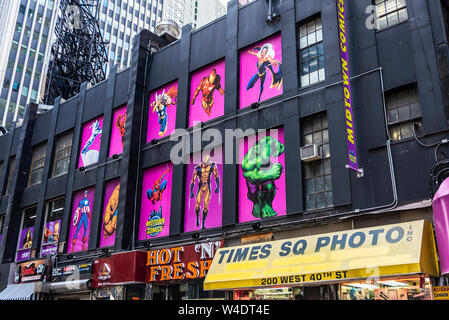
(440, 293)
(405, 248)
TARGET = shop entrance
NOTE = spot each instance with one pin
(185, 291)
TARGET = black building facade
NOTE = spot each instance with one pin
(407, 57)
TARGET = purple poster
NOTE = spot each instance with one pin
(90, 142)
(207, 88)
(261, 71)
(162, 112)
(262, 176)
(156, 202)
(110, 212)
(204, 191)
(51, 238)
(80, 221)
(346, 77)
(24, 246)
(118, 131)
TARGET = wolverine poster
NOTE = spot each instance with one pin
(204, 191)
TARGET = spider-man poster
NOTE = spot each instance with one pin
(207, 90)
(118, 131)
(156, 202)
(90, 142)
(261, 71)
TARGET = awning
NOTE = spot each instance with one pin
(398, 249)
(22, 291)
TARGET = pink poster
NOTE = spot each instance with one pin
(90, 142)
(204, 191)
(207, 93)
(110, 213)
(262, 176)
(156, 202)
(83, 201)
(261, 71)
(118, 131)
(162, 112)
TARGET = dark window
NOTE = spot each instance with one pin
(445, 7)
(311, 52)
(28, 218)
(317, 174)
(63, 152)
(403, 110)
(390, 12)
(37, 164)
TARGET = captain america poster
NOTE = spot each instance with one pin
(81, 219)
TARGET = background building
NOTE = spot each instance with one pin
(196, 12)
(25, 28)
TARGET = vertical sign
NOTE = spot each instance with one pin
(346, 78)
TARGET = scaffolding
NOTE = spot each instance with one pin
(79, 53)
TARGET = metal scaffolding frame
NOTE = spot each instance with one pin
(79, 53)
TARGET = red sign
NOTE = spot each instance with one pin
(121, 268)
(181, 263)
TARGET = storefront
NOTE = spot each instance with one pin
(178, 273)
(392, 262)
(71, 282)
(120, 277)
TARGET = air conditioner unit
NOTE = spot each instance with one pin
(311, 152)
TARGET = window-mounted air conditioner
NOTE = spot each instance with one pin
(311, 152)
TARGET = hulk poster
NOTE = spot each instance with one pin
(262, 176)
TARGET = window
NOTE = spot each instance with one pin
(37, 164)
(26, 232)
(2, 221)
(311, 53)
(11, 170)
(445, 8)
(15, 86)
(390, 12)
(403, 109)
(317, 174)
(52, 227)
(63, 151)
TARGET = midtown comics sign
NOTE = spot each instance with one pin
(182, 262)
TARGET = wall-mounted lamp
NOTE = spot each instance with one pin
(255, 105)
(115, 156)
(257, 226)
(82, 168)
(154, 142)
(196, 235)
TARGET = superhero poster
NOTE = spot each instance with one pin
(261, 71)
(262, 176)
(156, 202)
(24, 246)
(207, 89)
(204, 191)
(80, 221)
(162, 112)
(118, 131)
(90, 142)
(110, 213)
(50, 238)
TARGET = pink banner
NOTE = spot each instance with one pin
(262, 176)
(261, 71)
(90, 142)
(110, 213)
(118, 131)
(81, 219)
(204, 191)
(156, 202)
(207, 87)
(162, 112)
